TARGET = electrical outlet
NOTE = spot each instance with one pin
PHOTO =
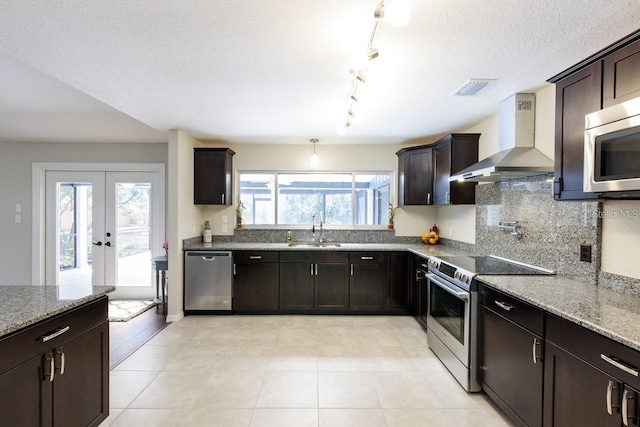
(585, 253)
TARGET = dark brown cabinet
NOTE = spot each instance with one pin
(213, 176)
(511, 361)
(367, 280)
(453, 153)
(314, 281)
(255, 281)
(60, 381)
(606, 78)
(415, 176)
(422, 299)
(576, 96)
(621, 75)
(589, 379)
(399, 297)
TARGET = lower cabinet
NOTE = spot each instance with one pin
(367, 280)
(255, 281)
(576, 392)
(314, 281)
(511, 361)
(589, 380)
(399, 296)
(61, 381)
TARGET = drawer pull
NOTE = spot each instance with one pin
(504, 305)
(55, 334)
(616, 362)
(610, 406)
(366, 257)
(255, 257)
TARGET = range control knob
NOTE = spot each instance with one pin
(456, 275)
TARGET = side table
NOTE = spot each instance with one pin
(161, 265)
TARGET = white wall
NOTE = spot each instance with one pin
(15, 188)
(621, 238)
(410, 221)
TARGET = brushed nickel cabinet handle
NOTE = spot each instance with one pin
(536, 343)
(55, 334)
(610, 389)
(352, 269)
(255, 257)
(625, 410)
(504, 305)
(618, 364)
(366, 258)
(60, 352)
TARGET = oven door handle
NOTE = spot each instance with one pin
(463, 295)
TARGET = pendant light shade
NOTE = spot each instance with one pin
(314, 160)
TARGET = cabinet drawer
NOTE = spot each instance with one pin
(27, 343)
(590, 346)
(513, 309)
(367, 257)
(250, 257)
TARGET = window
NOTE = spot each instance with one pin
(287, 198)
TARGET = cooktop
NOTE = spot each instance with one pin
(492, 265)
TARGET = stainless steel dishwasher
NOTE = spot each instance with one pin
(208, 281)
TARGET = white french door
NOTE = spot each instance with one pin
(103, 228)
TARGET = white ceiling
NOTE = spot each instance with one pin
(277, 71)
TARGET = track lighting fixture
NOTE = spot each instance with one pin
(314, 160)
(397, 13)
(359, 75)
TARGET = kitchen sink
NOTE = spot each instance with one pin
(314, 245)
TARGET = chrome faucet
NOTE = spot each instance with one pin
(313, 227)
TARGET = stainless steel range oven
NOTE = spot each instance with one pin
(452, 318)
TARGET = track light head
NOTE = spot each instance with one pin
(372, 53)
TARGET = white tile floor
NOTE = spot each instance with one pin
(292, 371)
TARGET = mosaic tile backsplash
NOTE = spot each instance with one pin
(552, 232)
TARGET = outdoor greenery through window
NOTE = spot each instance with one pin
(343, 199)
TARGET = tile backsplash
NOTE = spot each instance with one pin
(552, 232)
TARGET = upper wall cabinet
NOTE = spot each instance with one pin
(415, 176)
(452, 154)
(423, 171)
(212, 176)
(609, 77)
(621, 75)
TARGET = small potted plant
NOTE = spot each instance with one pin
(239, 211)
(392, 215)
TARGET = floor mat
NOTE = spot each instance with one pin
(123, 310)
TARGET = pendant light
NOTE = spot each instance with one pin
(314, 160)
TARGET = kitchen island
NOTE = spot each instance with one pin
(54, 355)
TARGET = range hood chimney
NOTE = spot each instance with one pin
(518, 158)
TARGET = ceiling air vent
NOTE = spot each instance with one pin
(471, 87)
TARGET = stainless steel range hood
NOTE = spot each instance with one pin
(518, 157)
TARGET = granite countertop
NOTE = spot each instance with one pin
(22, 306)
(416, 248)
(609, 313)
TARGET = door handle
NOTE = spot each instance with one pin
(107, 244)
(49, 362)
(352, 269)
(97, 243)
(60, 353)
(536, 343)
(626, 396)
(610, 406)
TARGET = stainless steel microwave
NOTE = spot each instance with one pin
(612, 151)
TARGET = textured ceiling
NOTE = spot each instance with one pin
(278, 71)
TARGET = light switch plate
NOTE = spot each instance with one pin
(18, 218)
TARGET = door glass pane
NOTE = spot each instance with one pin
(75, 233)
(133, 233)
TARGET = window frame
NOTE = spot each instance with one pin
(354, 201)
